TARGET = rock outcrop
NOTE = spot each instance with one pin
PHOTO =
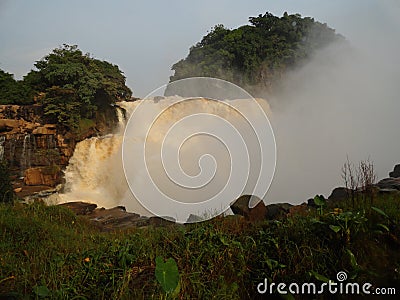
(33, 148)
(253, 209)
(48, 176)
(37, 150)
(396, 172)
(116, 218)
(389, 183)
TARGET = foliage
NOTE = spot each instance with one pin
(72, 85)
(63, 256)
(6, 190)
(167, 274)
(320, 201)
(255, 56)
(12, 91)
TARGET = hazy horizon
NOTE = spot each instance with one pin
(145, 39)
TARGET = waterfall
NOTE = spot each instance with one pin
(96, 171)
(121, 118)
(2, 141)
(26, 153)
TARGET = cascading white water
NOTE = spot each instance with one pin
(95, 172)
(2, 141)
(26, 153)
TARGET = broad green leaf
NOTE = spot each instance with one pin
(319, 200)
(167, 274)
(41, 291)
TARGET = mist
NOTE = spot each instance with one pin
(342, 103)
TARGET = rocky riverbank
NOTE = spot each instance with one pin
(118, 218)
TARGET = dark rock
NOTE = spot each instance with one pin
(258, 212)
(301, 209)
(80, 208)
(389, 183)
(161, 221)
(311, 203)
(276, 211)
(194, 219)
(254, 209)
(243, 204)
(396, 172)
(339, 193)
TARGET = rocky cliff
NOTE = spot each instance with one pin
(36, 150)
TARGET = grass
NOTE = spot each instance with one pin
(48, 252)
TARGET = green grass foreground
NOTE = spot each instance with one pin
(48, 252)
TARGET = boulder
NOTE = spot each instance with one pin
(389, 183)
(258, 212)
(161, 221)
(301, 209)
(276, 211)
(339, 193)
(250, 207)
(194, 219)
(396, 172)
(80, 208)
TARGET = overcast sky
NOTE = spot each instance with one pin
(145, 38)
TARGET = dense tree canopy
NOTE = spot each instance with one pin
(70, 85)
(12, 91)
(254, 56)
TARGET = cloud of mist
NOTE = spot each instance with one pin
(344, 102)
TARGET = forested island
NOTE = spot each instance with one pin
(258, 55)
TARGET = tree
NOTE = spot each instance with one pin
(73, 86)
(255, 56)
(6, 190)
(12, 91)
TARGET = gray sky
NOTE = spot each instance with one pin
(145, 38)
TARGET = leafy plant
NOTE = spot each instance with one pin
(320, 201)
(6, 191)
(347, 223)
(167, 275)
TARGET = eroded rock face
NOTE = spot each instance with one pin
(32, 145)
(49, 176)
(29, 142)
